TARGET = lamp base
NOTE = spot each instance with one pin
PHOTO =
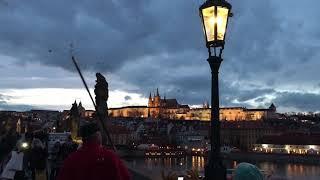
(215, 170)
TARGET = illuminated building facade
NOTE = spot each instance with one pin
(233, 113)
(171, 109)
(157, 108)
(129, 111)
(243, 134)
(290, 143)
(164, 108)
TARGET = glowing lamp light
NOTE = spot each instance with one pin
(24, 145)
(264, 146)
(214, 16)
(287, 147)
(312, 147)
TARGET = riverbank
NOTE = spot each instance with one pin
(277, 158)
(239, 156)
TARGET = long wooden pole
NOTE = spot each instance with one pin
(94, 104)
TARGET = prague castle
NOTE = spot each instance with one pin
(171, 109)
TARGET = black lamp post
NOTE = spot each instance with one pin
(214, 16)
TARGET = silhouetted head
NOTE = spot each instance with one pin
(90, 133)
(100, 77)
(36, 143)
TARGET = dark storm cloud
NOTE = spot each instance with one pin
(302, 101)
(185, 73)
(105, 34)
(246, 95)
(150, 44)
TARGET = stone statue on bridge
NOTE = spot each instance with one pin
(102, 94)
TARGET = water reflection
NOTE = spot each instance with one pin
(198, 163)
(234, 163)
(283, 170)
(300, 170)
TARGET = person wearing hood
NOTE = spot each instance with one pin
(92, 160)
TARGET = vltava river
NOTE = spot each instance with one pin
(154, 166)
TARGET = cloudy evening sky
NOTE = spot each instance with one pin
(272, 53)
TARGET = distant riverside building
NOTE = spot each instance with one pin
(171, 109)
(244, 134)
(120, 135)
(163, 108)
(289, 143)
(232, 113)
(129, 111)
(43, 115)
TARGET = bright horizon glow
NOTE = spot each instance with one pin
(61, 98)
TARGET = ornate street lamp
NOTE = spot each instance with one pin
(214, 16)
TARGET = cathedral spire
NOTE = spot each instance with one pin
(158, 92)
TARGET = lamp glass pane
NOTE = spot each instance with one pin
(209, 20)
(222, 17)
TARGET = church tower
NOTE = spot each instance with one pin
(150, 102)
(157, 99)
(272, 108)
(73, 122)
(206, 105)
(272, 112)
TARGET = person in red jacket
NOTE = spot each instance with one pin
(92, 160)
